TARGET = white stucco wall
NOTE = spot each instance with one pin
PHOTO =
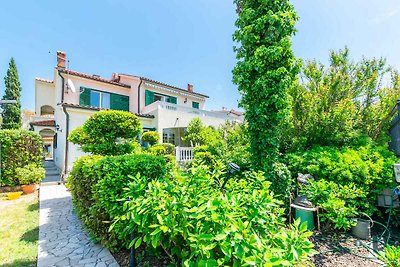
(44, 95)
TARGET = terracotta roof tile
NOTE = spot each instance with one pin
(164, 84)
(44, 80)
(50, 123)
(97, 109)
(93, 77)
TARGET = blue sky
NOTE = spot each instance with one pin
(175, 41)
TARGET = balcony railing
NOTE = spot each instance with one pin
(178, 108)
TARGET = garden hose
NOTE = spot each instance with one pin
(378, 238)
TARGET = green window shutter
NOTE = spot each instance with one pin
(172, 99)
(195, 105)
(84, 98)
(119, 102)
(149, 97)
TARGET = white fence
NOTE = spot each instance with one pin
(183, 154)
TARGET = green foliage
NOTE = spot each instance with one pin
(264, 72)
(12, 112)
(152, 137)
(230, 143)
(114, 174)
(108, 132)
(97, 184)
(193, 132)
(369, 168)
(81, 181)
(196, 224)
(30, 174)
(18, 149)
(281, 181)
(339, 203)
(169, 148)
(158, 149)
(337, 104)
(390, 256)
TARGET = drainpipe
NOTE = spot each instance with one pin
(64, 173)
(139, 95)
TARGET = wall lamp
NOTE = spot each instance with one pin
(58, 128)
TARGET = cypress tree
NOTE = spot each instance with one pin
(12, 112)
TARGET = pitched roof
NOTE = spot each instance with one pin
(93, 77)
(165, 84)
(50, 123)
(97, 109)
(44, 80)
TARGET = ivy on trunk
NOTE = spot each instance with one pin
(266, 68)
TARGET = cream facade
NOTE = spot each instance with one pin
(71, 97)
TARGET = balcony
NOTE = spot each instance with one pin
(159, 105)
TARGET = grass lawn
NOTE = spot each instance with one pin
(19, 230)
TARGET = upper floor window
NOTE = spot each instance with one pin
(100, 99)
(152, 97)
(195, 104)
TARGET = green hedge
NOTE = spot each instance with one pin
(18, 149)
(81, 181)
(97, 185)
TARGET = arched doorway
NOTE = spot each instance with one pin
(48, 142)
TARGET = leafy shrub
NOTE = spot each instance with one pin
(107, 132)
(339, 103)
(81, 181)
(18, 149)
(30, 174)
(368, 168)
(339, 203)
(152, 137)
(114, 174)
(169, 148)
(281, 181)
(197, 224)
(390, 256)
(158, 149)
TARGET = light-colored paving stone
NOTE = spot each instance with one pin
(62, 239)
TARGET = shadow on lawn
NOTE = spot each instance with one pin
(31, 235)
(20, 263)
(33, 207)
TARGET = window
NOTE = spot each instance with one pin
(195, 104)
(99, 99)
(169, 138)
(152, 97)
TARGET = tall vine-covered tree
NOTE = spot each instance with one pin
(265, 70)
(12, 112)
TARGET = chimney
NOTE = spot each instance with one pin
(115, 77)
(190, 87)
(61, 58)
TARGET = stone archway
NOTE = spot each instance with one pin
(47, 135)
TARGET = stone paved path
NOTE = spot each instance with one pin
(62, 241)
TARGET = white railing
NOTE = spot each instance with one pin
(178, 108)
(183, 154)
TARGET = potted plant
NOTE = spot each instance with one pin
(150, 138)
(28, 176)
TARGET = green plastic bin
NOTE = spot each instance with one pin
(305, 216)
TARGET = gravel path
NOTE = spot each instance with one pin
(62, 240)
